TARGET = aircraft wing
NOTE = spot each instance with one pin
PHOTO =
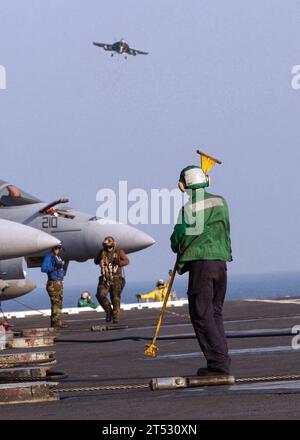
(104, 45)
(137, 52)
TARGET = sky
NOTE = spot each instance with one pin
(218, 77)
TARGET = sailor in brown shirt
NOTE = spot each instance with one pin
(111, 261)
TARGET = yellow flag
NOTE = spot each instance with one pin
(207, 162)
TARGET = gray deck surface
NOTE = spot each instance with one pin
(116, 357)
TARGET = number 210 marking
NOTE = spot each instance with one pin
(49, 222)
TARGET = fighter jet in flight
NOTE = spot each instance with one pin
(81, 234)
(120, 47)
(17, 240)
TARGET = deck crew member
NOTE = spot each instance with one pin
(111, 281)
(53, 266)
(201, 239)
(85, 300)
(159, 293)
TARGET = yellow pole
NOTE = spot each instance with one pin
(165, 289)
(151, 349)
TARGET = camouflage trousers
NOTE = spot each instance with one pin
(55, 291)
(112, 308)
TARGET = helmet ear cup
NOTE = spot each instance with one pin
(181, 186)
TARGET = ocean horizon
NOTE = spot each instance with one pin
(250, 286)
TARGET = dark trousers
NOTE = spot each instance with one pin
(206, 294)
(115, 290)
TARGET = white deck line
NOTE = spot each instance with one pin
(76, 310)
(276, 301)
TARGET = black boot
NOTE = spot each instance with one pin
(108, 315)
(211, 372)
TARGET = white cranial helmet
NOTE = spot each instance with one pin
(193, 177)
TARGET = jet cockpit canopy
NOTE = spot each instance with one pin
(11, 196)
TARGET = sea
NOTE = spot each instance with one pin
(250, 286)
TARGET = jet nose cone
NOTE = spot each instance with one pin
(135, 240)
(17, 288)
(18, 240)
(128, 238)
(46, 241)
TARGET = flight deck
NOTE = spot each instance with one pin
(107, 375)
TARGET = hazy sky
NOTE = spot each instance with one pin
(218, 77)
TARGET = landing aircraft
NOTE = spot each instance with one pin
(81, 234)
(17, 240)
(120, 47)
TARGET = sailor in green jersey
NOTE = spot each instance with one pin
(201, 240)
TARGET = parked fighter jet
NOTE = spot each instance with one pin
(18, 240)
(120, 47)
(80, 234)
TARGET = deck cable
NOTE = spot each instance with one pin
(238, 380)
(139, 386)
